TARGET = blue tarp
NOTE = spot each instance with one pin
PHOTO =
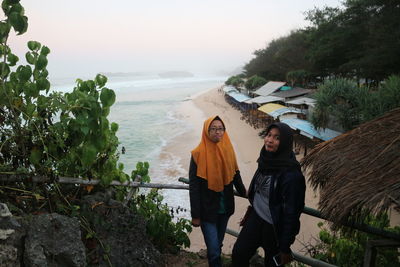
(307, 129)
(239, 97)
(228, 89)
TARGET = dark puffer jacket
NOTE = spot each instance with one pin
(286, 203)
(205, 203)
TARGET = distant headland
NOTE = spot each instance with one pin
(123, 74)
(175, 74)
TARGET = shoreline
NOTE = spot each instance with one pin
(247, 144)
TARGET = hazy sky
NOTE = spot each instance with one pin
(91, 36)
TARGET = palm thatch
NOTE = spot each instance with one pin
(358, 172)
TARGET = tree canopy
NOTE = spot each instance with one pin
(360, 40)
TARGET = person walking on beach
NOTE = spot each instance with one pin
(212, 173)
(276, 195)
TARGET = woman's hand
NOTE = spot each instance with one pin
(196, 222)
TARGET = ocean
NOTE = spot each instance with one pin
(146, 112)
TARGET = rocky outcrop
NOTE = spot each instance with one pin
(11, 238)
(54, 240)
(122, 233)
(40, 240)
(117, 236)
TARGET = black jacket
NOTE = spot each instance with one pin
(286, 203)
(205, 203)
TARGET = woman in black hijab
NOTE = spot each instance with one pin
(276, 195)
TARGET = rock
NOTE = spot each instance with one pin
(4, 212)
(121, 232)
(54, 240)
(12, 235)
(8, 256)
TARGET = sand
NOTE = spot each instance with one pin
(247, 145)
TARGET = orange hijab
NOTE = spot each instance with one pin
(216, 162)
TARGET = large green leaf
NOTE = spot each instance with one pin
(114, 126)
(18, 22)
(45, 50)
(4, 70)
(34, 46)
(30, 108)
(31, 90)
(43, 84)
(104, 123)
(105, 111)
(89, 154)
(18, 9)
(41, 63)
(35, 156)
(30, 58)
(107, 97)
(85, 130)
(7, 6)
(11, 2)
(101, 80)
(4, 30)
(24, 73)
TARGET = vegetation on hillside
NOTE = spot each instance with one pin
(351, 54)
(351, 105)
(360, 40)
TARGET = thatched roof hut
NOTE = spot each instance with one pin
(358, 171)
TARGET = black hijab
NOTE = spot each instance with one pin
(283, 159)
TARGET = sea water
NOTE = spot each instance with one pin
(145, 111)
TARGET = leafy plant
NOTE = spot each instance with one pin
(346, 248)
(166, 234)
(235, 81)
(48, 134)
(254, 82)
(351, 105)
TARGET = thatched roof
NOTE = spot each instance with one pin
(359, 170)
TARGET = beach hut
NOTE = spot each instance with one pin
(269, 88)
(358, 172)
(237, 100)
(255, 117)
(227, 88)
(302, 101)
(306, 129)
(279, 111)
(291, 93)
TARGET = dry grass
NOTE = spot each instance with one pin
(358, 171)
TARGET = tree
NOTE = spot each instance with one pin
(255, 82)
(338, 99)
(235, 81)
(281, 56)
(359, 41)
(298, 77)
(343, 100)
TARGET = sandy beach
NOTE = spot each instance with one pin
(247, 144)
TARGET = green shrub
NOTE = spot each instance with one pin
(346, 248)
(167, 235)
(235, 81)
(255, 82)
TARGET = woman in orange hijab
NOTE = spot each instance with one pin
(213, 172)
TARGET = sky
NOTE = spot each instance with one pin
(201, 36)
